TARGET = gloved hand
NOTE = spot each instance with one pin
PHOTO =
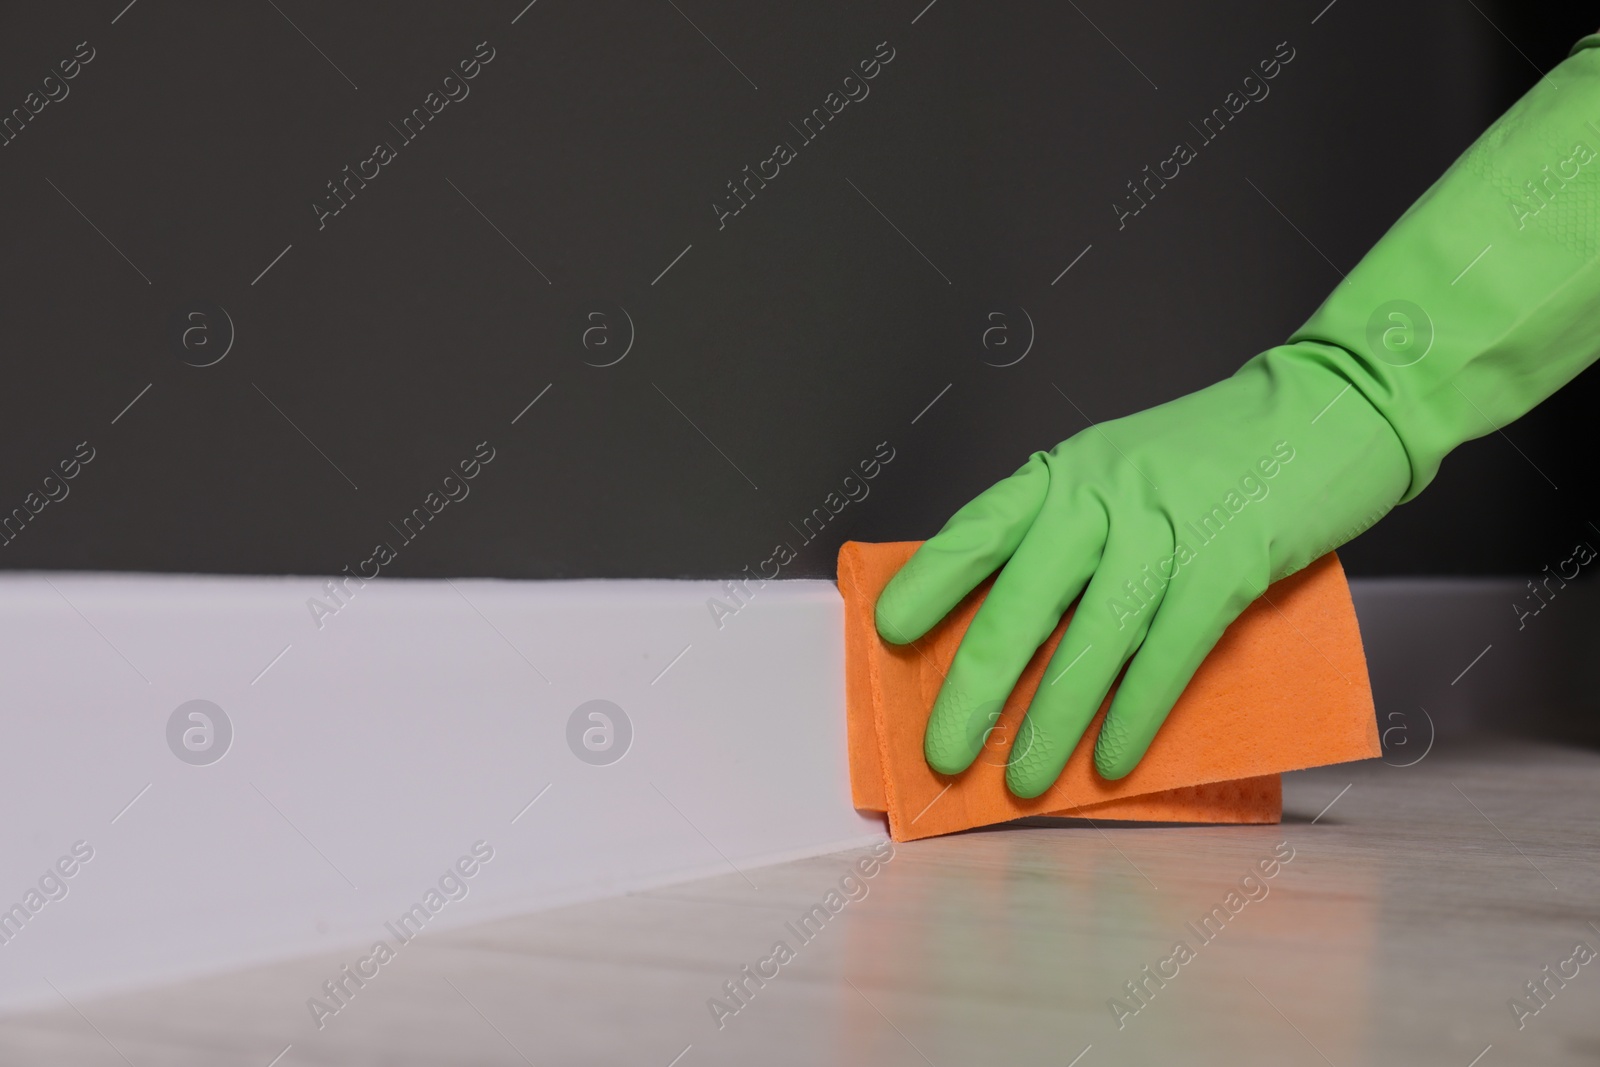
(1175, 519)
(1482, 300)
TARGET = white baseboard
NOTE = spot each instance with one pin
(423, 716)
(379, 748)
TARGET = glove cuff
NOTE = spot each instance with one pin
(1484, 297)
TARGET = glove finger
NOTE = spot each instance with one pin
(1111, 620)
(1190, 622)
(971, 546)
(1048, 571)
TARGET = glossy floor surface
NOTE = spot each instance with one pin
(1406, 924)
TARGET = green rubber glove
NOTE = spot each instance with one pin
(1481, 301)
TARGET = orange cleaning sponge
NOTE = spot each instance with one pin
(1285, 688)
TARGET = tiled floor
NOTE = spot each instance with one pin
(1410, 915)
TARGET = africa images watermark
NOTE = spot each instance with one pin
(1252, 888)
(854, 90)
(52, 886)
(455, 489)
(599, 732)
(454, 90)
(1542, 191)
(1583, 554)
(1543, 988)
(1148, 589)
(742, 988)
(1210, 128)
(53, 89)
(55, 489)
(855, 490)
(341, 989)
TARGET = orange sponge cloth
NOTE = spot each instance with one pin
(1285, 688)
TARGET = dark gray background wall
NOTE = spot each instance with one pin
(771, 354)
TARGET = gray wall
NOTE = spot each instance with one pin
(775, 355)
